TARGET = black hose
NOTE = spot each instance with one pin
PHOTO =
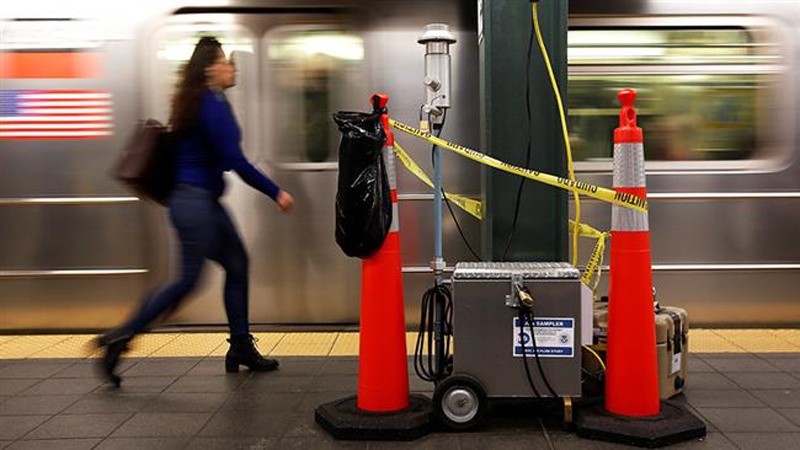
(522, 180)
(521, 319)
(536, 353)
(526, 315)
(433, 368)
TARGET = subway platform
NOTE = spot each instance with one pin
(745, 384)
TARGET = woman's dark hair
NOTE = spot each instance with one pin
(192, 84)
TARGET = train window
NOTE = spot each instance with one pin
(174, 44)
(665, 46)
(311, 73)
(678, 127)
(699, 89)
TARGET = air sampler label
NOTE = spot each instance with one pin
(555, 337)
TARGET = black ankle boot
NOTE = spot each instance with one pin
(113, 344)
(244, 352)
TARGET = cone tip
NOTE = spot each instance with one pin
(379, 100)
(627, 131)
(626, 97)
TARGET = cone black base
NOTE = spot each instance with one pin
(673, 424)
(343, 420)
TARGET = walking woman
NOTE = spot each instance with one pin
(208, 145)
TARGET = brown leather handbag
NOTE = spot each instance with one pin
(148, 162)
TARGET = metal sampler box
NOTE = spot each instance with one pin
(486, 342)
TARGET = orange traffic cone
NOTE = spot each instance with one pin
(632, 413)
(632, 377)
(383, 360)
(383, 409)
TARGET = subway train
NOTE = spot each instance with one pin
(718, 103)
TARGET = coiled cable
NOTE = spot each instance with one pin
(433, 367)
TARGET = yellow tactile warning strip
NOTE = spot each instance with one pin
(305, 344)
(78, 344)
(146, 344)
(28, 346)
(166, 345)
(346, 345)
(190, 345)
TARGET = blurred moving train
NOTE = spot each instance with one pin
(717, 100)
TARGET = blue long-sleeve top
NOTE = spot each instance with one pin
(213, 147)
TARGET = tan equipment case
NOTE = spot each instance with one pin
(672, 345)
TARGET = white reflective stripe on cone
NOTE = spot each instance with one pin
(395, 218)
(629, 165)
(391, 172)
(627, 219)
(388, 159)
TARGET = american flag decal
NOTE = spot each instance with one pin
(55, 114)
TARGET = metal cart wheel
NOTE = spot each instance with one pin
(460, 402)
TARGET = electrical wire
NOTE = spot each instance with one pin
(526, 315)
(433, 368)
(522, 180)
(521, 320)
(523, 317)
(529, 316)
(564, 130)
(458, 227)
(437, 131)
(436, 366)
(592, 382)
(599, 359)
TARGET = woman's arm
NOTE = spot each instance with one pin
(225, 136)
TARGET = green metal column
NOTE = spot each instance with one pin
(506, 26)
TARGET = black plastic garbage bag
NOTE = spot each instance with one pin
(363, 199)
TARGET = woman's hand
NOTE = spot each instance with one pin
(285, 201)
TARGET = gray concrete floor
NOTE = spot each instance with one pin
(748, 401)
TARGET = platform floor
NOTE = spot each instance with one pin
(745, 384)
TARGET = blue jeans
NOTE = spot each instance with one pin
(206, 232)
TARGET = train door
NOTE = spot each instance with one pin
(294, 69)
(310, 71)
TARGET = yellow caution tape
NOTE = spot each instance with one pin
(596, 260)
(472, 206)
(600, 193)
(585, 230)
(475, 208)
(595, 263)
